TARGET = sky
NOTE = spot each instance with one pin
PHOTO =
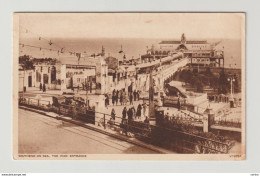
(133, 25)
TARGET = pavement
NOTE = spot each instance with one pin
(39, 134)
(115, 134)
(50, 92)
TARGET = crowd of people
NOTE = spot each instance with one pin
(133, 113)
(121, 97)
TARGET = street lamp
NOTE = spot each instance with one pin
(23, 79)
(86, 93)
(126, 79)
(231, 80)
(151, 95)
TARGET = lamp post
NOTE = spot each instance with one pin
(86, 93)
(23, 79)
(136, 78)
(151, 95)
(231, 80)
(126, 79)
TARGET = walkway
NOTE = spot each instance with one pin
(39, 134)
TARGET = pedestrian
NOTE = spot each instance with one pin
(131, 99)
(179, 104)
(121, 98)
(117, 96)
(144, 108)
(124, 121)
(134, 112)
(90, 86)
(113, 114)
(113, 100)
(135, 95)
(114, 91)
(139, 111)
(86, 87)
(130, 114)
(138, 94)
(114, 77)
(113, 97)
(106, 100)
(124, 98)
(129, 90)
(44, 88)
(124, 113)
(40, 86)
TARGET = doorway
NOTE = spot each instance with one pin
(45, 78)
(29, 81)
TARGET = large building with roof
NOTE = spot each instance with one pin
(68, 73)
(200, 52)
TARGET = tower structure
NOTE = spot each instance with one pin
(103, 51)
(183, 39)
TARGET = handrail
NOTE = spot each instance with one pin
(104, 120)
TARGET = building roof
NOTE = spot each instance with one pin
(90, 61)
(197, 42)
(187, 42)
(170, 42)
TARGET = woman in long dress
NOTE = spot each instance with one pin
(125, 98)
(139, 111)
(145, 109)
(121, 98)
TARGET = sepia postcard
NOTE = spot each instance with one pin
(129, 86)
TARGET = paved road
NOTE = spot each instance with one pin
(39, 134)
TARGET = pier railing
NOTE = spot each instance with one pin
(228, 123)
(175, 135)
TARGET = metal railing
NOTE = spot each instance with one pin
(176, 135)
(195, 118)
(228, 123)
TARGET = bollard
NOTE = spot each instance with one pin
(38, 102)
(104, 121)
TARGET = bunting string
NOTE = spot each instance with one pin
(48, 41)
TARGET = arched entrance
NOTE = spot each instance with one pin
(182, 47)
